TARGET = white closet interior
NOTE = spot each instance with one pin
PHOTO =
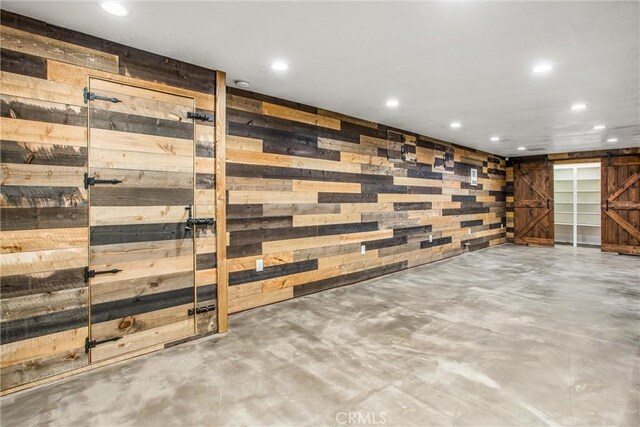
(577, 203)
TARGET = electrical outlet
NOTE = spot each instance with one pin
(430, 238)
(469, 231)
(363, 249)
(259, 265)
(501, 225)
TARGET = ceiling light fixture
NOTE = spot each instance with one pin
(114, 8)
(522, 148)
(279, 66)
(455, 125)
(599, 127)
(242, 84)
(541, 68)
(578, 107)
(612, 140)
(495, 139)
(392, 103)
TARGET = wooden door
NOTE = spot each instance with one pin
(621, 205)
(533, 204)
(141, 255)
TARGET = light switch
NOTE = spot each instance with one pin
(363, 249)
(259, 265)
(430, 238)
(469, 231)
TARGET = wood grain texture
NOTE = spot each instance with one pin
(221, 200)
(45, 207)
(307, 187)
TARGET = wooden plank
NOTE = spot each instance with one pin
(40, 175)
(221, 199)
(33, 44)
(139, 142)
(45, 239)
(41, 132)
(77, 76)
(40, 89)
(287, 113)
(140, 340)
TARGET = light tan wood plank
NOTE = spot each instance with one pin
(33, 44)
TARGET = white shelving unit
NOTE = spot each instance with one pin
(577, 203)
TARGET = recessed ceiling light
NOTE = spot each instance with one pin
(578, 107)
(599, 127)
(495, 139)
(114, 8)
(455, 125)
(541, 68)
(279, 66)
(522, 148)
(612, 140)
(392, 103)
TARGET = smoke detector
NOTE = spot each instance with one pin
(242, 84)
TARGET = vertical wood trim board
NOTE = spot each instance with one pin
(221, 198)
(45, 226)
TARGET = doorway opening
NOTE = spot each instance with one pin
(577, 204)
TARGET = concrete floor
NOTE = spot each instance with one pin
(505, 336)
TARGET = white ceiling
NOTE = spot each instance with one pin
(444, 61)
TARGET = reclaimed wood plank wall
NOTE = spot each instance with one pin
(45, 234)
(307, 187)
(621, 159)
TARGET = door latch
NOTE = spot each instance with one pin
(88, 344)
(200, 116)
(199, 310)
(92, 273)
(93, 181)
(91, 96)
(191, 221)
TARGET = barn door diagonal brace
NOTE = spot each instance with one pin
(91, 96)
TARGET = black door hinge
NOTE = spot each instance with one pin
(88, 344)
(90, 96)
(199, 310)
(191, 221)
(92, 273)
(93, 181)
(200, 116)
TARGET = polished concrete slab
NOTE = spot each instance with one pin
(505, 336)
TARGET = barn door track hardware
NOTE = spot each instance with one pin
(191, 221)
(199, 310)
(93, 181)
(92, 273)
(200, 116)
(91, 96)
(88, 344)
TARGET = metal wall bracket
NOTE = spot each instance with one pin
(93, 181)
(92, 273)
(200, 116)
(191, 221)
(88, 344)
(91, 96)
(199, 310)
